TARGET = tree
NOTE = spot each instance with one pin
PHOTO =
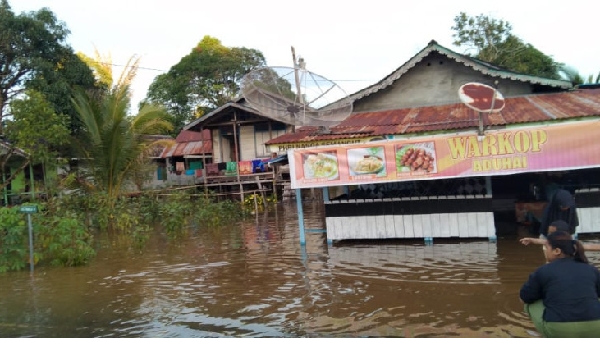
(36, 127)
(33, 54)
(203, 80)
(113, 142)
(491, 40)
(572, 75)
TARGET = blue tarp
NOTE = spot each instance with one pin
(283, 159)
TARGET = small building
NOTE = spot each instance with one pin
(417, 106)
(182, 162)
(236, 163)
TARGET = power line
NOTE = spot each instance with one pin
(162, 70)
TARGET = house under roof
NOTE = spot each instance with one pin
(433, 76)
(534, 108)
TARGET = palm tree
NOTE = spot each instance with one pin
(113, 143)
(572, 75)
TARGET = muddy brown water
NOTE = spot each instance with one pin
(254, 279)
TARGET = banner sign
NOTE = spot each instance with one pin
(500, 152)
(287, 146)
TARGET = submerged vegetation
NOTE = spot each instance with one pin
(65, 227)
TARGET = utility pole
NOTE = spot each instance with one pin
(297, 65)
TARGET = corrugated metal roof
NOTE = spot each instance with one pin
(524, 109)
(478, 65)
(192, 136)
(188, 148)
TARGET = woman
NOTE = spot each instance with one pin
(561, 297)
(561, 207)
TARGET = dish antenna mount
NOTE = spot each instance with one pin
(296, 96)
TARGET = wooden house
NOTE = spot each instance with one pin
(182, 162)
(238, 156)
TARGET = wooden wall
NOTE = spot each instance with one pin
(439, 217)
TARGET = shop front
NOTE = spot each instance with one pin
(451, 185)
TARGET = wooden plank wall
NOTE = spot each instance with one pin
(588, 210)
(247, 144)
(445, 225)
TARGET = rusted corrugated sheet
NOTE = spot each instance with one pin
(192, 136)
(188, 148)
(525, 109)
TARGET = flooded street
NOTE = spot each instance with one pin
(255, 279)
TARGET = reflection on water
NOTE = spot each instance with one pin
(254, 279)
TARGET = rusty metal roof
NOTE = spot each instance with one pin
(188, 148)
(192, 136)
(524, 109)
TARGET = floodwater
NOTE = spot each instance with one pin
(255, 279)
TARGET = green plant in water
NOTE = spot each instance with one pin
(64, 241)
(13, 240)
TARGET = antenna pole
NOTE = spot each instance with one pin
(297, 79)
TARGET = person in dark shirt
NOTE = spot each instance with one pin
(561, 207)
(562, 296)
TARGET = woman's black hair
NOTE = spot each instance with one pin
(571, 248)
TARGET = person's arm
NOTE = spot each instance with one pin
(531, 240)
(532, 289)
(591, 246)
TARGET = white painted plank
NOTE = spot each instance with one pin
(444, 225)
(472, 221)
(437, 225)
(363, 231)
(482, 224)
(409, 229)
(595, 219)
(390, 230)
(399, 226)
(453, 224)
(417, 223)
(352, 225)
(586, 216)
(426, 224)
(463, 224)
(380, 227)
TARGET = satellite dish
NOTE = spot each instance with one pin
(296, 96)
(481, 98)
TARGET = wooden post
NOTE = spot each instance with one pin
(262, 192)
(204, 172)
(255, 203)
(237, 156)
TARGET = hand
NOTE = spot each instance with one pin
(527, 240)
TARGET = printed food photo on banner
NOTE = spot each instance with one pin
(416, 159)
(321, 165)
(366, 162)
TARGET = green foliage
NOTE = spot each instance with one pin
(13, 240)
(34, 55)
(174, 211)
(479, 32)
(36, 128)
(64, 241)
(63, 227)
(250, 205)
(218, 214)
(114, 143)
(203, 80)
(491, 40)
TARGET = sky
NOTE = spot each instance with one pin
(354, 44)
